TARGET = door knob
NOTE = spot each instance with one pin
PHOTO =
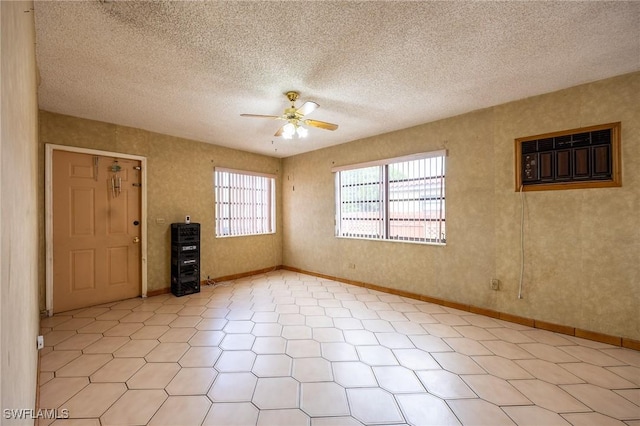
(136, 239)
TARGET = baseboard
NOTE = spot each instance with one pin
(631, 344)
(543, 325)
(158, 292)
(166, 290)
(38, 371)
(243, 274)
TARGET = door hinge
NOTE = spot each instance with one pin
(137, 184)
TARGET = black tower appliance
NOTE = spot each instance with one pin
(185, 258)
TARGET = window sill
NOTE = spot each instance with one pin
(424, 243)
(243, 235)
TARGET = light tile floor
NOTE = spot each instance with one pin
(289, 349)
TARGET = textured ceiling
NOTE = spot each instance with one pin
(190, 69)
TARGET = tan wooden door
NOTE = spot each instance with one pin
(96, 230)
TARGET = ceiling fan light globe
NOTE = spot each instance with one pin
(289, 128)
(302, 132)
(288, 131)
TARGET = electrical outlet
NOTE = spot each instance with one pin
(352, 266)
(495, 284)
(40, 342)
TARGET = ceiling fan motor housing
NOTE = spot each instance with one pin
(292, 96)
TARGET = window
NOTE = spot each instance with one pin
(245, 203)
(399, 199)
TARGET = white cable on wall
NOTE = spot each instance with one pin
(521, 241)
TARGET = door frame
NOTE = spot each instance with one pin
(48, 208)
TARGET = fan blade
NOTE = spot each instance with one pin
(307, 108)
(279, 132)
(321, 124)
(260, 116)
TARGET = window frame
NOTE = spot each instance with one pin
(615, 161)
(270, 210)
(384, 201)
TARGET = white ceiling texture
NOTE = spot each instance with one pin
(190, 69)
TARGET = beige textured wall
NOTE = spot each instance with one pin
(180, 182)
(582, 247)
(19, 323)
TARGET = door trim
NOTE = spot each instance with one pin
(48, 208)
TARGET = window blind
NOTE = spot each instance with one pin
(244, 203)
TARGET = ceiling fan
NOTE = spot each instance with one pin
(295, 118)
